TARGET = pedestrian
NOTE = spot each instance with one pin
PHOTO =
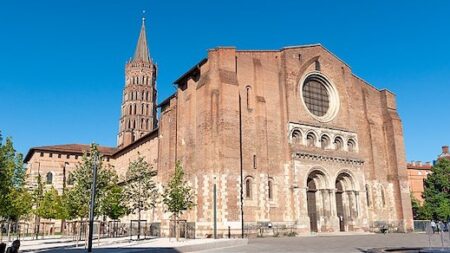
(2, 247)
(14, 247)
(433, 226)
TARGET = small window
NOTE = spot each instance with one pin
(59, 155)
(49, 178)
(369, 203)
(351, 145)
(67, 156)
(383, 199)
(311, 140)
(42, 154)
(50, 155)
(324, 141)
(70, 179)
(248, 188)
(76, 157)
(296, 137)
(338, 143)
(270, 189)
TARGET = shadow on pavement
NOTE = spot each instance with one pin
(112, 250)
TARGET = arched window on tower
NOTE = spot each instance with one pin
(129, 124)
(134, 124)
(146, 96)
(142, 109)
(49, 178)
(142, 123)
(134, 108)
(129, 111)
(146, 109)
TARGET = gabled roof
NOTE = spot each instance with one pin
(69, 149)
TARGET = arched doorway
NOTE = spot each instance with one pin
(345, 201)
(315, 182)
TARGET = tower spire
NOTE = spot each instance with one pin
(142, 53)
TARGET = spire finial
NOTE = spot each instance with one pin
(143, 16)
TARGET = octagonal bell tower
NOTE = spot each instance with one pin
(138, 114)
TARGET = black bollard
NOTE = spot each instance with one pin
(229, 232)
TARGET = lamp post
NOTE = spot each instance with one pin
(215, 209)
(92, 206)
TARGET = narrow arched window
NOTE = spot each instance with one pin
(369, 203)
(311, 140)
(129, 111)
(249, 91)
(146, 124)
(270, 189)
(142, 109)
(134, 108)
(296, 137)
(142, 123)
(146, 109)
(383, 199)
(248, 188)
(49, 178)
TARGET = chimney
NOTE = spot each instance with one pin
(444, 149)
(428, 163)
(419, 163)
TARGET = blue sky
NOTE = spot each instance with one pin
(62, 62)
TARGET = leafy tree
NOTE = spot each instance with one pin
(14, 197)
(114, 205)
(50, 206)
(178, 195)
(140, 188)
(78, 197)
(437, 191)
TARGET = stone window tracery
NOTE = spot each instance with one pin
(316, 97)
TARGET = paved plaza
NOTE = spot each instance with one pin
(335, 242)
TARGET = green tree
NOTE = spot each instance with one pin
(78, 197)
(178, 195)
(50, 206)
(14, 197)
(140, 188)
(437, 191)
(114, 205)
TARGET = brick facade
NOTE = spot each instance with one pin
(345, 171)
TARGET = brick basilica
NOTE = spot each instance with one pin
(320, 149)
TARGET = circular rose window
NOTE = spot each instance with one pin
(320, 97)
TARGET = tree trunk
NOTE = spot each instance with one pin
(177, 232)
(139, 223)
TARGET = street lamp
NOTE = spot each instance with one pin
(92, 206)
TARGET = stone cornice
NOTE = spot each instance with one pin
(326, 158)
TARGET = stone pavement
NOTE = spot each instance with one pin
(125, 245)
(323, 242)
(335, 243)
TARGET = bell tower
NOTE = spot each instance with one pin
(138, 114)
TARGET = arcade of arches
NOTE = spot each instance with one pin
(332, 206)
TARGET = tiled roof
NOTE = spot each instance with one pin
(69, 148)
